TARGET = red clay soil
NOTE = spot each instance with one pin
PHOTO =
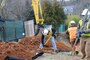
(61, 46)
(26, 48)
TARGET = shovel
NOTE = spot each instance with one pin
(37, 55)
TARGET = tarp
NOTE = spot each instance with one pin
(12, 30)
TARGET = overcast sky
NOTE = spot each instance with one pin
(64, 0)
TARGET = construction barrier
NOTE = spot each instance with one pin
(29, 28)
(62, 28)
(11, 30)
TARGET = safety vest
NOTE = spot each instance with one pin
(80, 23)
(86, 28)
(72, 32)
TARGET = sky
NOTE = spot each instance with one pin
(64, 0)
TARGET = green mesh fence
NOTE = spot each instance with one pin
(12, 30)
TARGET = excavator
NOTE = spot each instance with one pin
(37, 11)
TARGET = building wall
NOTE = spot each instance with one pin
(78, 5)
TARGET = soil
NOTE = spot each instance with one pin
(27, 47)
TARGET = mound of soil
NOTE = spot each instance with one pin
(26, 48)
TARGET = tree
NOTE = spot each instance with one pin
(29, 13)
(13, 10)
(76, 18)
(53, 13)
(17, 10)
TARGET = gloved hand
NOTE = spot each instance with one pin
(78, 35)
(81, 32)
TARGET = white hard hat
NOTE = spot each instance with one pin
(72, 22)
(85, 11)
(45, 32)
(88, 12)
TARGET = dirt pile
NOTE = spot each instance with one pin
(26, 48)
(60, 45)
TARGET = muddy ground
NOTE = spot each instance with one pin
(59, 56)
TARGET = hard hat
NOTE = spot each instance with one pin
(88, 12)
(72, 22)
(85, 11)
(45, 32)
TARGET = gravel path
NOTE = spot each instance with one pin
(59, 56)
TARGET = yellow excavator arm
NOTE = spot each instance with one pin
(37, 11)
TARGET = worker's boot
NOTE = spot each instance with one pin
(76, 52)
(83, 56)
(56, 51)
